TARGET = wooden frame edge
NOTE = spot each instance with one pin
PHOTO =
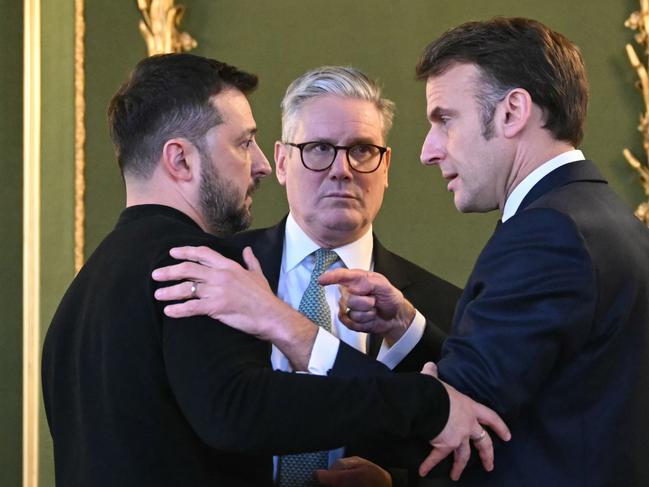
(79, 136)
(31, 239)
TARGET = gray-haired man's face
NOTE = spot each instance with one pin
(335, 206)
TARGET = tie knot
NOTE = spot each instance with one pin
(323, 260)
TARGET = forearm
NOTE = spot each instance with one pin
(224, 385)
(293, 334)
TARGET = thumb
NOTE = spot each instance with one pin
(430, 369)
(251, 261)
(324, 477)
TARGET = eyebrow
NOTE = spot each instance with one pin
(438, 112)
(249, 132)
(349, 142)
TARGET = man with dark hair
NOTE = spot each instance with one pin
(552, 330)
(134, 398)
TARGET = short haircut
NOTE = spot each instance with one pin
(168, 96)
(517, 53)
(342, 81)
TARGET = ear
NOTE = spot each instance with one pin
(180, 160)
(517, 110)
(387, 157)
(281, 162)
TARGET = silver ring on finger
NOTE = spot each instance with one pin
(480, 437)
(194, 290)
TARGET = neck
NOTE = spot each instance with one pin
(528, 157)
(154, 192)
(332, 238)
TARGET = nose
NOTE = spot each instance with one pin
(260, 167)
(340, 169)
(432, 150)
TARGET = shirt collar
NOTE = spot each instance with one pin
(298, 245)
(525, 186)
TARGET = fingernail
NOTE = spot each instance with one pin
(155, 274)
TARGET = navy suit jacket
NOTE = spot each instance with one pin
(552, 331)
(434, 297)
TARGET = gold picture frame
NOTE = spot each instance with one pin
(639, 21)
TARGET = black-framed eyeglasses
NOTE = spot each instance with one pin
(319, 156)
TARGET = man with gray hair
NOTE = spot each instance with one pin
(334, 163)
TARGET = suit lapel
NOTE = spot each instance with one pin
(566, 174)
(267, 244)
(386, 264)
(268, 247)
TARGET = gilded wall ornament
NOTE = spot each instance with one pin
(159, 27)
(639, 21)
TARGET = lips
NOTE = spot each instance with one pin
(340, 195)
(450, 177)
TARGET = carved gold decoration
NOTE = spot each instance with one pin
(159, 27)
(31, 238)
(79, 136)
(639, 21)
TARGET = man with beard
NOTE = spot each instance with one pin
(134, 398)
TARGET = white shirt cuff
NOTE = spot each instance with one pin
(323, 355)
(391, 356)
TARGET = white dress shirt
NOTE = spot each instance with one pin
(525, 186)
(294, 275)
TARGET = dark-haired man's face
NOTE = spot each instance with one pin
(476, 168)
(231, 166)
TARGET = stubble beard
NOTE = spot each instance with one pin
(224, 211)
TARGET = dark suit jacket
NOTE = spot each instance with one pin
(435, 298)
(552, 331)
(134, 398)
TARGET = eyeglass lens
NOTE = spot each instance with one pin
(320, 155)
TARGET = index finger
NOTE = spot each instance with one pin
(179, 272)
(357, 281)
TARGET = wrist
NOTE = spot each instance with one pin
(402, 321)
(293, 334)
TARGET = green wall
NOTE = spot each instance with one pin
(11, 63)
(57, 179)
(280, 39)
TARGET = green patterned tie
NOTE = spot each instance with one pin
(297, 470)
(314, 302)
